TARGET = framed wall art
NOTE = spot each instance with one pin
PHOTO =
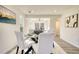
(72, 21)
(7, 16)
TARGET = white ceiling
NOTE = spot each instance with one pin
(42, 9)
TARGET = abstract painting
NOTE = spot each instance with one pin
(7, 16)
(72, 21)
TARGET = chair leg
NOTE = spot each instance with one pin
(33, 52)
(53, 45)
(22, 51)
(27, 52)
(17, 50)
(30, 49)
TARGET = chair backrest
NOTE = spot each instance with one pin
(45, 41)
(20, 41)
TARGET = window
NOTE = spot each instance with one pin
(42, 23)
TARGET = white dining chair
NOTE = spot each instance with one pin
(45, 42)
(22, 43)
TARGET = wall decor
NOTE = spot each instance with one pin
(72, 21)
(7, 16)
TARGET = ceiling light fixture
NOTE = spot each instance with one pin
(29, 11)
(55, 11)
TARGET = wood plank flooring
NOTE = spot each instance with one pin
(68, 48)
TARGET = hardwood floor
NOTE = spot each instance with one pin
(68, 48)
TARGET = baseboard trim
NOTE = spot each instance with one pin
(62, 51)
(8, 52)
(77, 46)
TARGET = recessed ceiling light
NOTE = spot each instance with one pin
(55, 11)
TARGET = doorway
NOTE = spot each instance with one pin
(57, 25)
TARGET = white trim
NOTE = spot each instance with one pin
(58, 50)
(71, 43)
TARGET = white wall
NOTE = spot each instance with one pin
(7, 37)
(57, 27)
(57, 24)
(19, 20)
(70, 35)
(53, 23)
